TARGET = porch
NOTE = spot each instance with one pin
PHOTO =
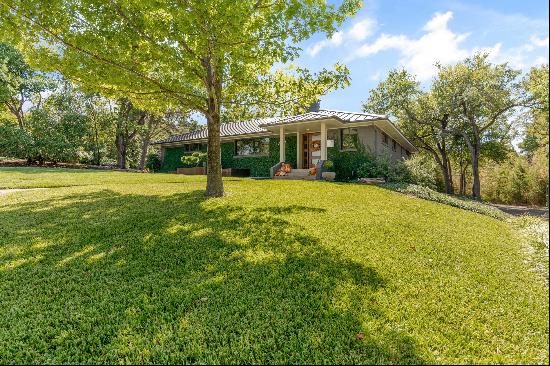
(312, 143)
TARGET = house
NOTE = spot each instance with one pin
(301, 140)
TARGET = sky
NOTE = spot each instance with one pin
(416, 34)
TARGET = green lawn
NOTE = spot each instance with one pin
(136, 268)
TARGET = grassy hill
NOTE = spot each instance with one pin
(137, 268)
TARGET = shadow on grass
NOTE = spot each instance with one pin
(103, 278)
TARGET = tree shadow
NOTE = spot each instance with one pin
(104, 277)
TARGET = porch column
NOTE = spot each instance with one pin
(281, 144)
(323, 141)
(298, 150)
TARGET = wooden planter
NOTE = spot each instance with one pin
(198, 170)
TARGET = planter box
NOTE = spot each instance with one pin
(330, 176)
(199, 170)
(235, 172)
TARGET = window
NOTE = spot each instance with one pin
(348, 139)
(192, 147)
(252, 147)
(384, 138)
(394, 145)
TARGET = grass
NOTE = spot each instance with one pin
(136, 268)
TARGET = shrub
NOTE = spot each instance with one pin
(153, 162)
(195, 159)
(423, 171)
(328, 165)
(15, 142)
(431, 195)
(383, 166)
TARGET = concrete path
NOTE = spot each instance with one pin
(6, 191)
(523, 210)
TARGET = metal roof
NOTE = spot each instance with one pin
(258, 125)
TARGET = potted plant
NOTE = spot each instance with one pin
(328, 170)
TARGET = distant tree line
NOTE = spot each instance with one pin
(45, 118)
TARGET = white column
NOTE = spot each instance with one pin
(323, 141)
(299, 150)
(281, 144)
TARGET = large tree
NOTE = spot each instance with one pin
(420, 116)
(480, 97)
(207, 56)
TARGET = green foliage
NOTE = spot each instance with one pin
(172, 159)
(142, 269)
(346, 163)
(423, 171)
(195, 159)
(19, 83)
(517, 180)
(431, 195)
(328, 165)
(14, 141)
(153, 162)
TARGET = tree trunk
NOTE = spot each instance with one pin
(145, 142)
(476, 186)
(121, 151)
(214, 182)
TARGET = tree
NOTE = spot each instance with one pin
(128, 123)
(536, 125)
(205, 56)
(420, 116)
(19, 83)
(480, 96)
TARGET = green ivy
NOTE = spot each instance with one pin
(259, 165)
(172, 159)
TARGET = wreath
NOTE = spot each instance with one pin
(316, 145)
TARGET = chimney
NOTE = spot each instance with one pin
(315, 106)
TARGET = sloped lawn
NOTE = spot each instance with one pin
(136, 268)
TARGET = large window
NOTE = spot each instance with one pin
(252, 147)
(193, 147)
(348, 139)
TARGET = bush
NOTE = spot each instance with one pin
(516, 180)
(195, 159)
(328, 165)
(153, 162)
(383, 166)
(15, 142)
(423, 171)
(431, 195)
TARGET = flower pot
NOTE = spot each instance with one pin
(328, 176)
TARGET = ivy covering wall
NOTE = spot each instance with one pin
(259, 165)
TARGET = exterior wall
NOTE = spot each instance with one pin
(372, 139)
(259, 165)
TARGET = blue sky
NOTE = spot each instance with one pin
(415, 34)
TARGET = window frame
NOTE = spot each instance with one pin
(255, 142)
(354, 148)
(385, 138)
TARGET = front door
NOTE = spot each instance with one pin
(311, 144)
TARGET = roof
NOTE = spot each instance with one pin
(258, 125)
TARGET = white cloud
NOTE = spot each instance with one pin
(539, 42)
(361, 30)
(438, 44)
(357, 32)
(335, 40)
(518, 57)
